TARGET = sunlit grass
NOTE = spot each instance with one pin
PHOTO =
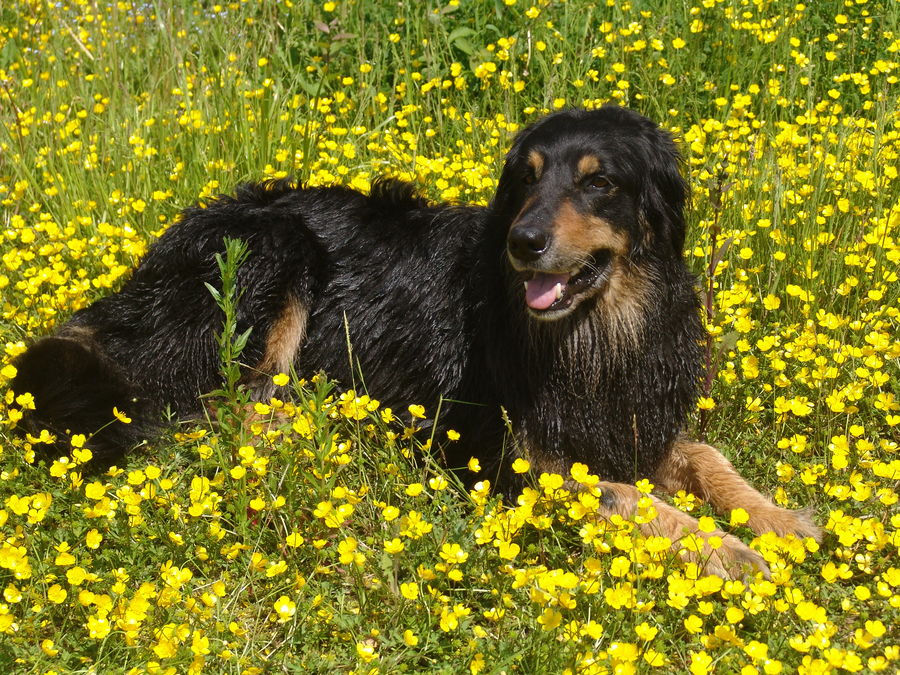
(324, 542)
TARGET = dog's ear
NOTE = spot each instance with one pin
(510, 187)
(664, 192)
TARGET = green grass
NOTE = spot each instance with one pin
(246, 548)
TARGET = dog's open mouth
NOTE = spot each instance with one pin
(550, 292)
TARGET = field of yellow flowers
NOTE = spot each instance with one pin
(325, 542)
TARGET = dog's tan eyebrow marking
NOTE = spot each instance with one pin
(588, 165)
(536, 162)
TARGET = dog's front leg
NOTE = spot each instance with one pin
(704, 471)
(731, 559)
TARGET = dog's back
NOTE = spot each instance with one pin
(323, 264)
(428, 298)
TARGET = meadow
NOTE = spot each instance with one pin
(328, 540)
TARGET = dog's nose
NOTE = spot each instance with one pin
(527, 243)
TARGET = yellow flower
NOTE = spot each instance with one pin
(809, 611)
(348, 553)
(394, 545)
(693, 624)
(450, 617)
(437, 483)
(64, 558)
(410, 590)
(285, 608)
(122, 417)
(550, 619)
(98, 626)
(734, 614)
(93, 538)
(417, 411)
(25, 401)
(705, 403)
(739, 517)
(581, 475)
(521, 465)
(644, 486)
(756, 650)
(56, 594)
(453, 554)
(276, 568)
(507, 549)
(706, 524)
(366, 651)
(76, 576)
(645, 631)
(12, 594)
(701, 663)
(654, 658)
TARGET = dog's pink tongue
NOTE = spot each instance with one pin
(540, 292)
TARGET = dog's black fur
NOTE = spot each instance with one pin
(434, 300)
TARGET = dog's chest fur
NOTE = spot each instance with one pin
(441, 326)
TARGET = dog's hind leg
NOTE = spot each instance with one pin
(732, 559)
(285, 336)
(75, 387)
(704, 471)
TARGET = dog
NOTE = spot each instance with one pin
(565, 302)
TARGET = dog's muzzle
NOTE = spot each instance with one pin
(527, 243)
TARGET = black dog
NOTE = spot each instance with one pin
(566, 301)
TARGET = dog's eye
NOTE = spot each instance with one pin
(597, 181)
(529, 178)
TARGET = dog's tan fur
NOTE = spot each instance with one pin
(536, 162)
(703, 470)
(718, 553)
(285, 338)
(588, 165)
(580, 234)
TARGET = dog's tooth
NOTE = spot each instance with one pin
(559, 291)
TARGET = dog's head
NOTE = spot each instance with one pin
(585, 193)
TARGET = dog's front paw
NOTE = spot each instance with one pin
(784, 522)
(730, 559)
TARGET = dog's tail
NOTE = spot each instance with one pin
(75, 388)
